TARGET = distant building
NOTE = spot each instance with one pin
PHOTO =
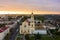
(12, 24)
(5, 18)
(28, 26)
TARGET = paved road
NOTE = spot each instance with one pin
(14, 33)
(15, 30)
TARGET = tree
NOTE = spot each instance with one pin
(37, 36)
(27, 37)
(9, 18)
(40, 18)
(2, 25)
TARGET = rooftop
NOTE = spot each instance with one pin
(2, 29)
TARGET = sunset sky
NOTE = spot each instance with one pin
(26, 6)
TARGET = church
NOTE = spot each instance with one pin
(28, 26)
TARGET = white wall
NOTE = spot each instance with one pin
(3, 34)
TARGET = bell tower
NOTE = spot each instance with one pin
(32, 24)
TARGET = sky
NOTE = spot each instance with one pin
(26, 6)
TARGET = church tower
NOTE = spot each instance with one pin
(32, 24)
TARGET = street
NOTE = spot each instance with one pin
(15, 30)
(14, 33)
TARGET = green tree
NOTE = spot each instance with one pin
(27, 37)
(40, 18)
(37, 36)
(9, 18)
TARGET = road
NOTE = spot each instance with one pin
(15, 30)
(14, 33)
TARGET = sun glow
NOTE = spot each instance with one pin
(12, 12)
(28, 12)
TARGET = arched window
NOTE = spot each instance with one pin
(28, 30)
(24, 25)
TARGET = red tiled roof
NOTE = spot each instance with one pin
(3, 29)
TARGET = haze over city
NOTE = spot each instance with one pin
(26, 6)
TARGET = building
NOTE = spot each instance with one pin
(40, 32)
(3, 32)
(28, 26)
(4, 18)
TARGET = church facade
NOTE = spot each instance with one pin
(28, 26)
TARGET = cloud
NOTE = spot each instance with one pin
(46, 5)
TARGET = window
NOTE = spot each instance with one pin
(29, 24)
(25, 26)
(21, 31)
(32, 25)
(38, 22)
(28, 30)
